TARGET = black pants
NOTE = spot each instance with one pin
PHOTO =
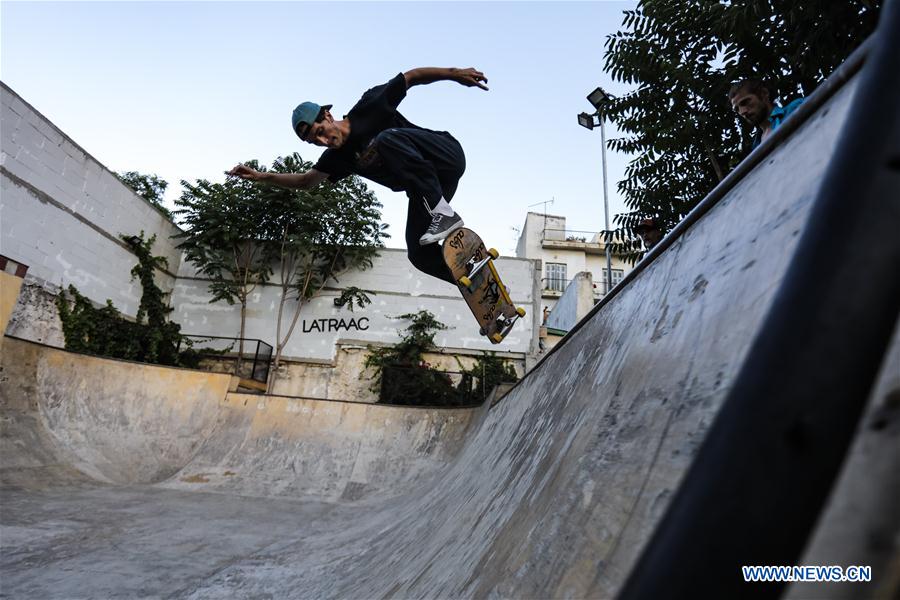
(427, 165)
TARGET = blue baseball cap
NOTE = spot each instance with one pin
(306, 113)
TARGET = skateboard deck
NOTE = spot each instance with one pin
(476, 276)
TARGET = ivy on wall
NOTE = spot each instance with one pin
(150, 338)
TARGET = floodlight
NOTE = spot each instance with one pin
(598, 98)
(586, 120)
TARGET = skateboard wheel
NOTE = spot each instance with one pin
(520, 311)
(493, 252)
(496, 338)
(465, 281)
(482, 331)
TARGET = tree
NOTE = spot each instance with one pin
(314, 237)
(149, 187)
(682, 57)
(226, 229)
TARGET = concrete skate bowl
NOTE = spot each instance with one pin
(124, 480)
(127, 423)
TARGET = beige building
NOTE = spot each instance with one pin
(564, 253)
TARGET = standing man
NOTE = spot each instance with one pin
(375, 141)
(649, 231)
(754, 100)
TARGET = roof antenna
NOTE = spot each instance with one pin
(545, 203)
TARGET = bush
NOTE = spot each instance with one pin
(488, 372)
(417, 386)
(403, 377)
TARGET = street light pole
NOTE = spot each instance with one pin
(598, 99)
(605, 205)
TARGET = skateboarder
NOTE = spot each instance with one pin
(375, 141)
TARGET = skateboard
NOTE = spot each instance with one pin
(473, 269)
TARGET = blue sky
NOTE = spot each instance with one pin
(188, 89)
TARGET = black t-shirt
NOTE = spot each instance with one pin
(375, 112)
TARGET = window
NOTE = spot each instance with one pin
(617, 276)
(555, 277)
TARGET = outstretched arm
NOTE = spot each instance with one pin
(302, 181)
(424, 75)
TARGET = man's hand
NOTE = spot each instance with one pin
(470, 77)
(424, 75)
(245, 172)
(297, 181)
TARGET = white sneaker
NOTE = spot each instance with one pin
(441, 226)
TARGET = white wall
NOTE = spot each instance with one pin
(529, 244)
(61, 212)
(575, 303)
(398, 288)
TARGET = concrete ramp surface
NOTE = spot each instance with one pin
(124, 480)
